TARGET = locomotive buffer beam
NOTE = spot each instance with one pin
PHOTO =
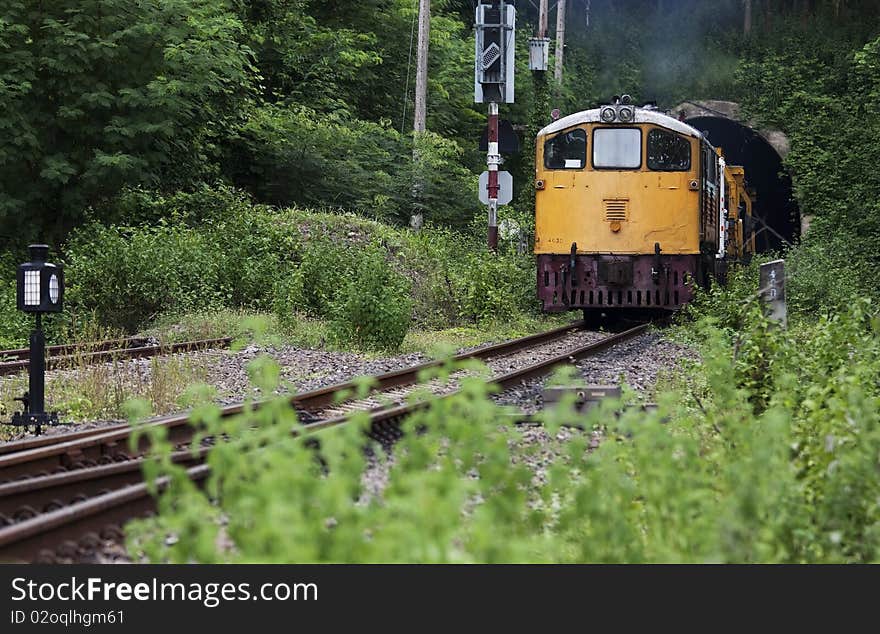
(615, 272)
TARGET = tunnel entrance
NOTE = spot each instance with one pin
(765, 176)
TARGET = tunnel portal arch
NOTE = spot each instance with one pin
(761, 153)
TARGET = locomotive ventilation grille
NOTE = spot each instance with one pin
(616, 209)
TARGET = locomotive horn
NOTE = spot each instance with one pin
(626, 100)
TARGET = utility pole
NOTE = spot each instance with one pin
(747, 17)
(543, 19)
(539, 49)
(560, 39)
(421, 111)
(422, 65)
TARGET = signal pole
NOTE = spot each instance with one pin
(493, 85)
(560, 39)
(493, 160)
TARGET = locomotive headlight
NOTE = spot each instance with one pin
(626, 115)
(607, 114)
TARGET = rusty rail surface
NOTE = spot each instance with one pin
(72, 511)
(78, 446)
(73, 348)
(133, 348)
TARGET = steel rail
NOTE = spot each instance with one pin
(31, 539)
(21, 499)
(29, 449)
(506, 381)
(97, 356)
(73, 348)
(83, 521)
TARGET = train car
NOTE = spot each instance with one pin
(739, 215)
(632, 209)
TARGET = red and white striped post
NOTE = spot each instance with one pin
(493, 160)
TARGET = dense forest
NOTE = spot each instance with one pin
(162, 114)
(309, 103)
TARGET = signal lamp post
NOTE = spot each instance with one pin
(39, 289)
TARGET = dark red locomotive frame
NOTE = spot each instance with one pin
(568, 282)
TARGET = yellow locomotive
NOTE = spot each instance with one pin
(632, 208)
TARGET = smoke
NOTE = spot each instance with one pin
(660, 50)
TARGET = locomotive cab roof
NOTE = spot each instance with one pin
(642, 115)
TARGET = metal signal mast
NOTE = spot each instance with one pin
(493, 84)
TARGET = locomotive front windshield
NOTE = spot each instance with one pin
(668, 152)
(619, 148)
(566, 151)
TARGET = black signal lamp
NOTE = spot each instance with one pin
(39, 289)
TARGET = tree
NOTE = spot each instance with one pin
(99, 94)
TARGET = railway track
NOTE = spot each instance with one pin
(15, 361)
(69, 493)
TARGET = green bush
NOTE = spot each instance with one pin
(288, 155)
(252, 244)
(218, 249)
(14, 324)
(821, 86)
(325, 268)
(373, 309)
(254, 247)
(130, 275)
(495, 286)
(728, 305)
(289, 298)
(824, 275)
(430, 260)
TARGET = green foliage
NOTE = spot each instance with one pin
(325, 267)
(99, 94)
(824, 277)
(821, 88)
(734, 466)
(14, 324)
(296, 101)
(730, 305)
(129, 275)
(495, 286)
(373, 308)
(294, 154)
(218, 249)
(289, 298)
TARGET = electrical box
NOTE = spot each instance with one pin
(494, 66)
(539, 53)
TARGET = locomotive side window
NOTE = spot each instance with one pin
(668, 152)
(566, 151)
(710, 166)
(619, 148)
